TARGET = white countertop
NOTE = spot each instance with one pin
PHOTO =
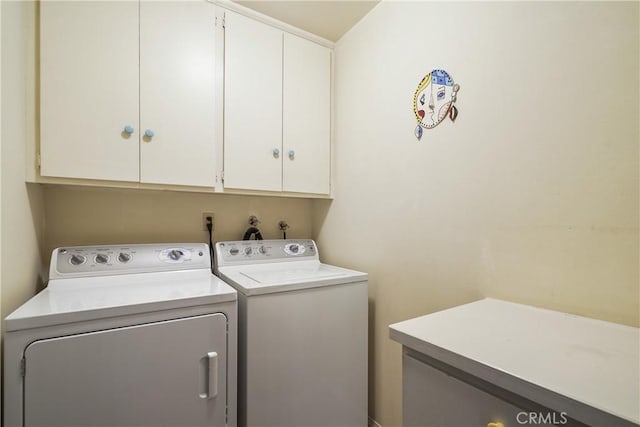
(542, 354)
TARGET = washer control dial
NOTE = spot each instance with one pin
(248, 250)
(124, 257)
(294, 249)
(234, 251)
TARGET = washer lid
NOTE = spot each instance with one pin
(287, 276)
(302, 273)
(83, 299)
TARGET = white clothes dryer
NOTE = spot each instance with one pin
(135, 335)
(303, 333)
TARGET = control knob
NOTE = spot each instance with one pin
(77, 259)
(102, 258)
(233, 251)
(175, 254)
(248, 250)
(262, 250)
(124, 257)
(294, 249)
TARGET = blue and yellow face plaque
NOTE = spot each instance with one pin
(434, 100)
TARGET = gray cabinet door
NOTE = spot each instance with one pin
(432, 397)
(170, 373)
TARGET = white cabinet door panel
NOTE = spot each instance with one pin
(177, 97)
(89, 89)
(148, 375)
(253, 105)
(306, 116)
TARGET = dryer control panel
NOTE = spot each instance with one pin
(82, 261)
(261, 251)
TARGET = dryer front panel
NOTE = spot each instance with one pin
(170, 373)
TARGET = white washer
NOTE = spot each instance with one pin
(136, 335)
(303, 331)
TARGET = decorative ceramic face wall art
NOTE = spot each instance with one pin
(434, 100)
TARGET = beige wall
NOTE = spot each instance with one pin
(83, 216)
(1, 316)
(22, 212)
(22, 215)
(530, 196)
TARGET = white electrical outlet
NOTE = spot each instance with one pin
(204, 220)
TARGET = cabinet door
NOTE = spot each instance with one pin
(306, 116)
(253, 105)
(433, 398)
(89, 90)
(157, 374)
(177, 98)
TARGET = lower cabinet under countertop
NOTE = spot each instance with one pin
(499, 364)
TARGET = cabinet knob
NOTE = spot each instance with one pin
(148, 133)
(496, 424)
(276, 152)
(128, 129)
(292, 154)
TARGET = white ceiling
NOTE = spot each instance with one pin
(326, 18)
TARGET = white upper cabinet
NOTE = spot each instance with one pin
(177, 93)
(277, 109)
(306, 112)
(182, 93)
(127, 91)
(253, 104)
(89, 90)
